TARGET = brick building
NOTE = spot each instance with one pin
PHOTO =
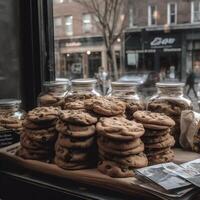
(164, 36)
(161, 35)
(79, 46)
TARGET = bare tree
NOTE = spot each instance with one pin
(111, 17)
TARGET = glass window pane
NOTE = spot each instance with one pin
(156, 36)
(9, 56)
(172, 8)
(87, 23)
(57, 21)
(69, 25)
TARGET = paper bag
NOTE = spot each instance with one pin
(190, 124)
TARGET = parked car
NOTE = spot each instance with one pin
(146, 80)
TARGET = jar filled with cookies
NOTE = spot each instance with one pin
(81, 89)
(127, 92)
(11, 116)
(170, 100)
(53, 93)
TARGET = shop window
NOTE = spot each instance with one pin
(69, 25)
(10, 47)
(152, 15)
(172, 13)
(195, 11)
(87, 23)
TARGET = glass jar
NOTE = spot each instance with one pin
(82, 89)
(170, 100)
(11, 117)
(53, 93)
(127, 92)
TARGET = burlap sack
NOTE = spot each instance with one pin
(190, 124)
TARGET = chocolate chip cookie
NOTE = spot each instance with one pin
(155, 139)
(43, 114)
(161, 158)
(135, 161)
(119, 145)
(169, 142)
(37, 126)
(106, 106)
(43, 135)
(156, 119)
(69, 155)
(114, 169)
(75, 130)
(119, 128)
(70, 142)
(78, 117)
(75, 105)
(71, 165)
(133, 151)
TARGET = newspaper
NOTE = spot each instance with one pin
(178, 181)
(194, 171)
(162, 174)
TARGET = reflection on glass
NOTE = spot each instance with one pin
(162, 38)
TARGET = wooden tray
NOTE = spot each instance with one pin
(131, 186)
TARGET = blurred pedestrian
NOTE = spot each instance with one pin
(190, 82)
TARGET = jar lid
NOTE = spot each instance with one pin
(124, 84)
(169, 85)
(56, 83)
(83, 81)
(9, 102)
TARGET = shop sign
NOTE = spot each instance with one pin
(159, 42)
(73, 44)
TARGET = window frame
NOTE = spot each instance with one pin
(36, 48)
(72, 25)
(130, 18)
(83, 29)
(193, 11)
(150, 15)
(169, 14)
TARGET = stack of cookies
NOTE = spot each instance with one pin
(120, 147)
(76, 144)
(10, 122)
(172, 109)
(157, 138)
(39, 134)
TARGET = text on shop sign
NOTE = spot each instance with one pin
(158, 41)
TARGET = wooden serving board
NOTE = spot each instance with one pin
(131, 186)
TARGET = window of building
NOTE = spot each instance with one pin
(152, 15)
(87, 23)
(69, 25)
(57, 21)
(172, 13)
(131, 20)
(195, 11)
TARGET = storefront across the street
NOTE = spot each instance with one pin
(173, 54)
(82, 57)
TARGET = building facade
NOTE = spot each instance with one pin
(79, 45)
(163, 36)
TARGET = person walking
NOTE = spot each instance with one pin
(190, 81)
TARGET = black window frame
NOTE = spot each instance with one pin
(36, 48)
